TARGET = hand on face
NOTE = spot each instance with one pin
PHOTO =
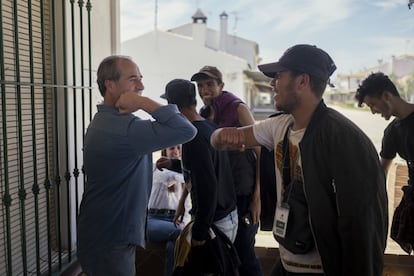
(128, 102)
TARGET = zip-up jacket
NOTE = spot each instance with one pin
(345, 189)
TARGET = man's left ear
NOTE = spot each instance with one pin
(108, 84)
(387, 96)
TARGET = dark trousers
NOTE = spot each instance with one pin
(245, 241)
(279, 270)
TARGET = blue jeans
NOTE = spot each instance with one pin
(116, 261)
(229, 224)
(245, 241)
(161, 228)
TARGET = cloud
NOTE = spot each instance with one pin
(385, 4)
(288, 16)
(138, 17)
(356, 32)
(398, 45)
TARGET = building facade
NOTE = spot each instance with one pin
(181, 51)
(399, 68)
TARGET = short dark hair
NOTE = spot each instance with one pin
(108, 70)
(374, 86)
(318, 85)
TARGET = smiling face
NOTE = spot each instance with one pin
(208, 89)
(286, 96)
(173, 152)
(130, 79)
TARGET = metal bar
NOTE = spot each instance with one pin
(75, 126)
(47, 183)
(35, 186)
(81, 2)
(89, 8)
(66, 118)
(56, 134)
(22, 191)
(46, 85)
(6, 196)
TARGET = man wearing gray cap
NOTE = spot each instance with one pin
(330, 216)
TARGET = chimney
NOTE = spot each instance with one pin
(223, 31)
(199, 27)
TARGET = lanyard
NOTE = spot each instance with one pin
(286, 174)
(286, 158)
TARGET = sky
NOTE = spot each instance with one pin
(356, 33)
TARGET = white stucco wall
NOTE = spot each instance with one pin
(105, 33)
(163, 56)
(237, 46)
(105, 40)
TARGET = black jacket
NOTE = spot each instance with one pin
(345, 189)
(213, 194)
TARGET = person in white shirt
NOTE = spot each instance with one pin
(330, 210)
(166, 190)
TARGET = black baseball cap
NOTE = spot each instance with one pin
(303, 58)
(180, 92)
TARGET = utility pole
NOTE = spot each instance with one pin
(236, 20)
(156, 16)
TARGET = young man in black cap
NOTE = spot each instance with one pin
(208, 171)
(227, 110)
(331, 209)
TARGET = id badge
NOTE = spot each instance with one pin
(282, 215)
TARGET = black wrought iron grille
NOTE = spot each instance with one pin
(45, 105)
